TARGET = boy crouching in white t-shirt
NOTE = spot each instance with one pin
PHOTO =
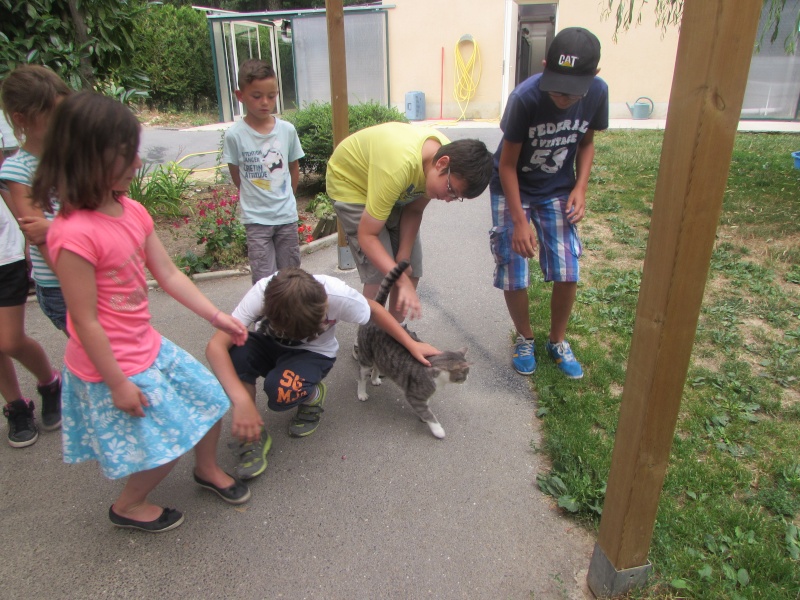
(293, 348)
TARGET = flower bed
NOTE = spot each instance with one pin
(209, 236)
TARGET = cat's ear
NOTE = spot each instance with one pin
(463, 350)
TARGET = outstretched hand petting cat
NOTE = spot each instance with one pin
(383, 319)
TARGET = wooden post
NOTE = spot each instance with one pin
(338, 69)
(341, 120)
(714, 50)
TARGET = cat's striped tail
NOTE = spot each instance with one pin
(388, 281)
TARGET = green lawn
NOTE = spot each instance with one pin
(728, 516)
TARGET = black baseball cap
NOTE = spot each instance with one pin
(571, 62)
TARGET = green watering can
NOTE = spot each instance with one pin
(642, 108)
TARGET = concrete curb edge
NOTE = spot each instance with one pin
(328, 240)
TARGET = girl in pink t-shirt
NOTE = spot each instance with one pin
(132, 400)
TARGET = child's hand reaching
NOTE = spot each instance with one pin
(420, 350)
(408, 302)
(231, 326)
(129, 398)
(247, 423)
(35, 229)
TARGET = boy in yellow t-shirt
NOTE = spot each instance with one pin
(381, 179)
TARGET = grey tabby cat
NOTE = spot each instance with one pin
(379, 353)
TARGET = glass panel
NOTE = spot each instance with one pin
(773, 85)
(365, 47)
(288, 91)
(250, 40)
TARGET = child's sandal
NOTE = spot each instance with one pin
(169, 519)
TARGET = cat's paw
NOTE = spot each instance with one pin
(362, 390)
(437, 430)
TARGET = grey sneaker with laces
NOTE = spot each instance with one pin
(22, 430)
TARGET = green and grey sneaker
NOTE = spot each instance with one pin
(252, 456)
(306, 420)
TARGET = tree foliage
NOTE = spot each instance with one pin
(84, 42)
(668, 14)
(262, 5)
(174, 50)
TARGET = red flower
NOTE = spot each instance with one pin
(186, 220)
(202, 212)
(220, 221)
(309, 239)
(300, 229)
(204, 240)
(308, 228)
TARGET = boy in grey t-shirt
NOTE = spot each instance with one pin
(262, 153)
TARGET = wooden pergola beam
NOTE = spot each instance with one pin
(713, 59)
(334, 15)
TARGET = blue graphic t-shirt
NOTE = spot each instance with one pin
(266, 195)
(549, 137)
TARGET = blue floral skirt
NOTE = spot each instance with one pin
(186, 400)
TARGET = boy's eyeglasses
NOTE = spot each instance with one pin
(451, 193)
(567, 96)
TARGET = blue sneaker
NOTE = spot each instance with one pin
(523, 360)
(565, 359)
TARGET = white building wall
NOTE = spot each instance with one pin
(420, 30)
(639, 63)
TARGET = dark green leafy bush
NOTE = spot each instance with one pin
(174, 51)
(47, 32)
(314, 125)
(321, 206)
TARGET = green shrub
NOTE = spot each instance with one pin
(314, 125)
(174, 51)
(321, 206)
(191, 264)
(160, 190)
(45, 32)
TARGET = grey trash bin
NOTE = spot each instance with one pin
(415, 106)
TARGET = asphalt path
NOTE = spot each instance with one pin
(160, 146)
(369, 506)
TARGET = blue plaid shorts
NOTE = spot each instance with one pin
(559, 244)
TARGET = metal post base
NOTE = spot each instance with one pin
(606, 582)
(346, 261)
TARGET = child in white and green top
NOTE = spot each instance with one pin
(29, 95)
